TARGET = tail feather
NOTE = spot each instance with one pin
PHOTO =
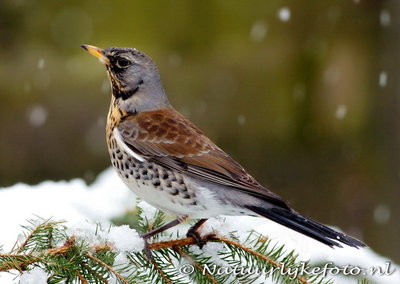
(307, 226)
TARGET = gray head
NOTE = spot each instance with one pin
(134, 78)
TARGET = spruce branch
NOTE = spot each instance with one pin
(116, 273)
(66, 258)
(176, 244)
(163, 275)
(257, 254)
(195, 263)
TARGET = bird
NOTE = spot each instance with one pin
(171, 164)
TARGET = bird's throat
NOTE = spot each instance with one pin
(124, 95)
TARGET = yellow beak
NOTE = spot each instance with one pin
(97, 52)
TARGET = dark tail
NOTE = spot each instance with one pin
(307, 227)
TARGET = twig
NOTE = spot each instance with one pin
(256, 254)
(173, 243)
(94, 272)
(23, 260)
(44, 225)
(191, 241)
(70, 243)
(119, 276)
(82, 279)
(28, 238)
(19, 262)
(159, 270)
(193, 262)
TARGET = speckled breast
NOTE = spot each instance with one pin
(165, 189)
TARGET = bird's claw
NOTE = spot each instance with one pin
(200, 241)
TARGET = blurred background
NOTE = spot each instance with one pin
(304, 94)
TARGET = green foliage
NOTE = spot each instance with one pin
(136, 220)
(67, 259)
(364, 281)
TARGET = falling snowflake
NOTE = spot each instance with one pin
(37, 115)
(175, 60)
(241, 119)
(284, 14)
(341, 112)
(381, 214)
(40, 63)
(384, 18)
(258, 31)
(383, 79)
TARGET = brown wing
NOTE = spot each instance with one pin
(169, 139)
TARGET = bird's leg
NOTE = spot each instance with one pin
(193, 232)
(147, 250)
(158, 230)
(164, 227)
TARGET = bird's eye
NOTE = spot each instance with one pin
(123, 63)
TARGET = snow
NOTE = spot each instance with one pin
(34, 276)
(88, 209)
(40, 63)
(384, 18)
(122, 238)
(241, 119)
(258, 31)
(37, 115)
(331, 75)
(125, 239)
(341, 112)
(284, 14)
(174, 60)
(148, 211)
(72, 201)
(383, 79)
(90, 233)
(381, 214)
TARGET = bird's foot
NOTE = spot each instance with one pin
(147, 250)
(193, 232)
(200, 241)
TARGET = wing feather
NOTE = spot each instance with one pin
(169, 139)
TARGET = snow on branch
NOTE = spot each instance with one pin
(54, 253)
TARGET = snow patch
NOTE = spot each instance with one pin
(148, 211)
(34, 276)
(122, 238)
(86, 209)
(125, 239)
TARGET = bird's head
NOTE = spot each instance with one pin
(135, 80)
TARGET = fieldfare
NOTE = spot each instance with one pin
(168, 162)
